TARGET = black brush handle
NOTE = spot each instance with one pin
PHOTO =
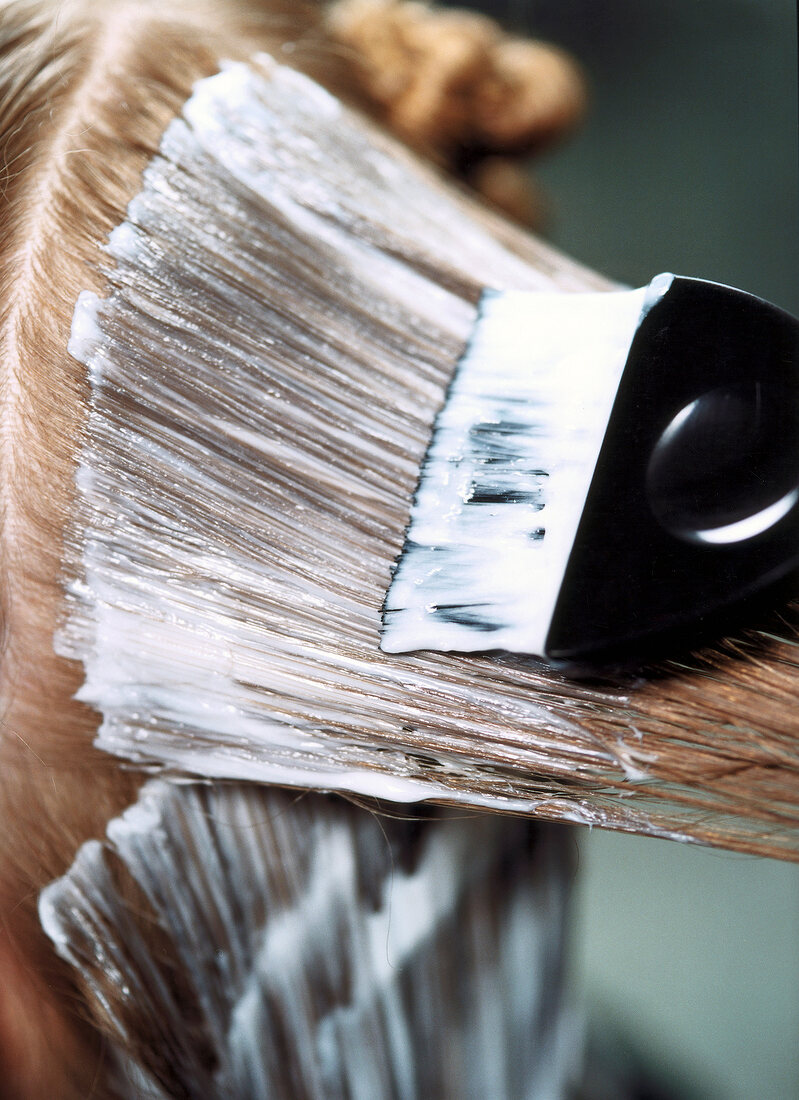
(693, 503)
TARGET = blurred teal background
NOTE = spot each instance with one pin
(689, 158)
(693, 956)
(688, 162)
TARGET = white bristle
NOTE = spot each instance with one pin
(276, 946)
(507, 474)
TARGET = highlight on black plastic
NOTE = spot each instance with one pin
(694, 503)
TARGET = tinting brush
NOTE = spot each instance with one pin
(608, 470)
(285, 304)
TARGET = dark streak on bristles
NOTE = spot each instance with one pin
(464, 615)
(479, 494)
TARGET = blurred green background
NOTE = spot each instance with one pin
(687, 162)
(689, 158)
(693, 956)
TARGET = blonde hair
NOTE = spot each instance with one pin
(85, 96)
(86, 91)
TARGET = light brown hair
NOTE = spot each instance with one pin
(86, 91)
(83, 105)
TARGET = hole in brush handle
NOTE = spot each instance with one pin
(727, 466)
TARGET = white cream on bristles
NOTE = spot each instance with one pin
(525, 416)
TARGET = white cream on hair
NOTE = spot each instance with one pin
(287, 300)
(265, 371)
(320, 950)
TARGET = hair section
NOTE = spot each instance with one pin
(241, 942)
(86, 91)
